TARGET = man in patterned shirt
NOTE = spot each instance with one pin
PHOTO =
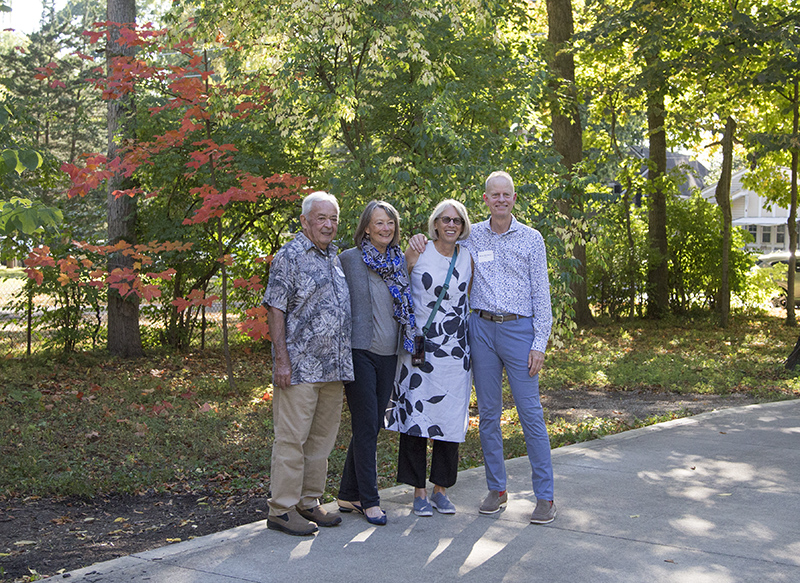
(308, 307)
(509, 328)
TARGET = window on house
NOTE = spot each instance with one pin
(780, 234)
(753, 230)
(766, 234)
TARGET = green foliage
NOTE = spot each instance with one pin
(617, 274)
(684, 355)
(695, 243)
(87, 424)
(25, 216)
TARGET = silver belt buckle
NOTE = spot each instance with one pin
(502, 318)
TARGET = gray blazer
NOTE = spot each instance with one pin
(357, 273)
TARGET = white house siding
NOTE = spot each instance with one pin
(749, 212)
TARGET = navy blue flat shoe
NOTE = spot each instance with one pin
(379, 521)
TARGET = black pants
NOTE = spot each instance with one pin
(412, 461)
(367, 397)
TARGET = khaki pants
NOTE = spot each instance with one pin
(306, 420)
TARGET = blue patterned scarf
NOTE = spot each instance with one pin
(392, 268)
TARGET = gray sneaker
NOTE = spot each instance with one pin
(442, 503)
(422, 507)
(544, 512)
(493, 501)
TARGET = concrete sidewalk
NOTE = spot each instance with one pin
(710, 498)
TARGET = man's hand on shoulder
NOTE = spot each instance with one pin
(535, 362)
(418, 242)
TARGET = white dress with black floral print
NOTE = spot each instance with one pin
(432, 400)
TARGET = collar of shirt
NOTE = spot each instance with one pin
(511, 228)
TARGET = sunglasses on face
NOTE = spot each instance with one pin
(457, 221)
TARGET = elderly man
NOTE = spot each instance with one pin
(309, 322)
(509, 328)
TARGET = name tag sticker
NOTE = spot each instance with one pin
(339, 271)
(484, 256)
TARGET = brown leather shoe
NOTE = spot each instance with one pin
(291, 523)
(321, 516)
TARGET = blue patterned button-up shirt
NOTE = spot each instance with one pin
(511, 275)
(308, 285)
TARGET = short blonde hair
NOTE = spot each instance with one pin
(460, 210)
(498, 174)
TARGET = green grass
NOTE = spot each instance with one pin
(90, 424)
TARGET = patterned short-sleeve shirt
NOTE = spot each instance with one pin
(511, 275)
(309, 287)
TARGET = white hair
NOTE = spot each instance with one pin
(318, 196)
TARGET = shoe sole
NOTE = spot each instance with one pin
(350, 507)
(423, 512)
(279, 527)
(443, 510)
(495, 511)
(548, 521)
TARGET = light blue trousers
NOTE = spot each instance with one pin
(494, 346)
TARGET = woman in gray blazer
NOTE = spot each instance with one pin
(383, 325)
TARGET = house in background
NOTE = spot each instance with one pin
(749, 211)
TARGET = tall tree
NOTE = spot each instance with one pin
(568, 134)
(124, 337)
(649, 38)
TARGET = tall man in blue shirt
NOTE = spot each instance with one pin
(509, 328)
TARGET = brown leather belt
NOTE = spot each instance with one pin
(500, 318)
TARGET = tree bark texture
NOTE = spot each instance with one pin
(723, 196)
(790, 287)
(657, 267)
(567, 132)
(124, 337)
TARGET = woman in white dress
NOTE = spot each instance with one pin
(431, 401)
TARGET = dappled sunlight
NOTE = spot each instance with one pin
(440, 548)
(699, 493)
(706, 574)
(493, 541)
(362, 536)
(302, 549)
(695, 526)
(790, 553)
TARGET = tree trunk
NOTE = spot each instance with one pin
(568, 133)
(657, 266)
(790, 287)
(723, 196)
(124, 338)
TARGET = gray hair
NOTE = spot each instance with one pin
(318, 196)
(460, 210)
(366, 217)
(498, 174)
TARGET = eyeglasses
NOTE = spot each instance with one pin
(457, 221)
(322, 219)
